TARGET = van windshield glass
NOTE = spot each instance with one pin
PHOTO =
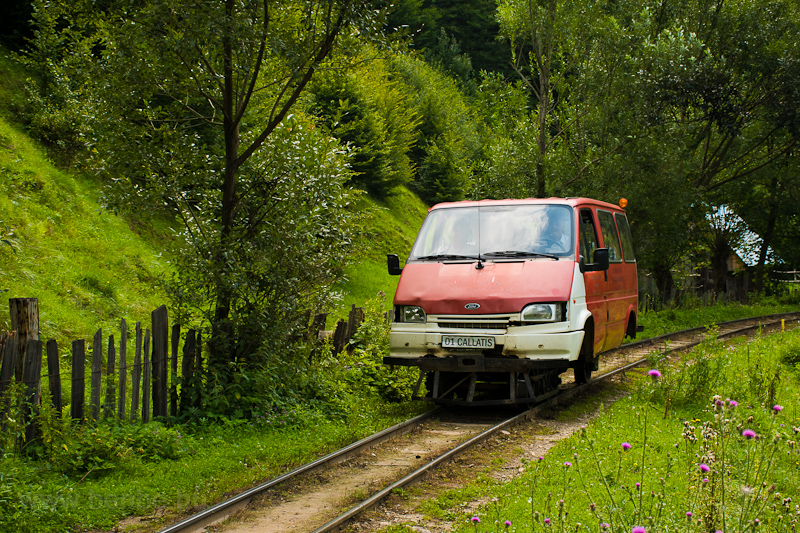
(496, 232)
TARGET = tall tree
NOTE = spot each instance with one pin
(186, 98)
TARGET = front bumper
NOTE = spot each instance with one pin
(545, 343)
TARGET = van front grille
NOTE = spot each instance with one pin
(474, 325)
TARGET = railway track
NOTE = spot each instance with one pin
(415, 447)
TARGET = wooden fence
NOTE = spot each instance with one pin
(157, 389)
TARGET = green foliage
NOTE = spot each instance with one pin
(367, 110)
(448, 132)
(364, 369)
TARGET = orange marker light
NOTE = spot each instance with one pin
(623, 202)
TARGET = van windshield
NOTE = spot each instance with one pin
(496, 232)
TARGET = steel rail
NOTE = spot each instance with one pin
(224, 509)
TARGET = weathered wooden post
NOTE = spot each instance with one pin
(173, 388)
(137, 373)
(160, 327)
(10, 354)
(24, 313)
(31, 377)
(187, 371)
(111, 395)
(198, 370)
(54, 375)
(78, 393)
(146, 378)
(123, 369)
(97, 374)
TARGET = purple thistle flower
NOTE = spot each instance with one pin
(603, 525)
(567, 464)
(704, 467)
(705, 480)
(734, 403)
(777, 408)
(655, 374)
(476, 519)
(688, 514)
(748, 434)
(546, 520)
(626, 446)
(638, 529)
(508, 523)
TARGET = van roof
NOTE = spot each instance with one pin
(510, 201)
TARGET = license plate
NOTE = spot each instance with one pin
(461, 341)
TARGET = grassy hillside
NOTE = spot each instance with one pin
(88, 267)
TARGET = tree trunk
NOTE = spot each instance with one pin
(766, 239)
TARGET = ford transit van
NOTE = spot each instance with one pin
(499, 297)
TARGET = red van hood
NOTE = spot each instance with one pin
(441, 288)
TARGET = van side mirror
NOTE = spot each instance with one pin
(393, 264)
(600, 259)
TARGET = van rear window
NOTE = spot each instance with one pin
(625, 236)
(610, 236)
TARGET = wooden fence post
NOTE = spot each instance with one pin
(111, 396)
(198, 370)
(339, 337)
(10, 354)
(54, 375)
(31, 377)
(24, 314)
(173, 388)
(136, 376)
(97, 373)
(123, 369)
(160, 327)
(146, 378)
(187, 371)
(78, 393)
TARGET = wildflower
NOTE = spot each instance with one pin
(508, 523)
(704, 467)
(748, 434)
(734, 403)
(603, 525)
(655, 374)
(626, 446)
(547, 521)
(688, 514)
(475, 519)
(567, 464)
(705, 480)
(638, 529)
(777, 408)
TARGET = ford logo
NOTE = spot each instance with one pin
(472, 306)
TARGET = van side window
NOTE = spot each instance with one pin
(625, 236)
(588, 235)
(610, 236)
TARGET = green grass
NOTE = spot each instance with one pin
(660, 322)
(672, 426)
(151, 467)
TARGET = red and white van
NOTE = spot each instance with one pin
(498, 297)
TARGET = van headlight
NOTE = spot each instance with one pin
(409, 313)
(538, 313)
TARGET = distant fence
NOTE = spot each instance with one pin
(157, 389)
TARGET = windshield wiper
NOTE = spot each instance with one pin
(517, 253)
(445, 256)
